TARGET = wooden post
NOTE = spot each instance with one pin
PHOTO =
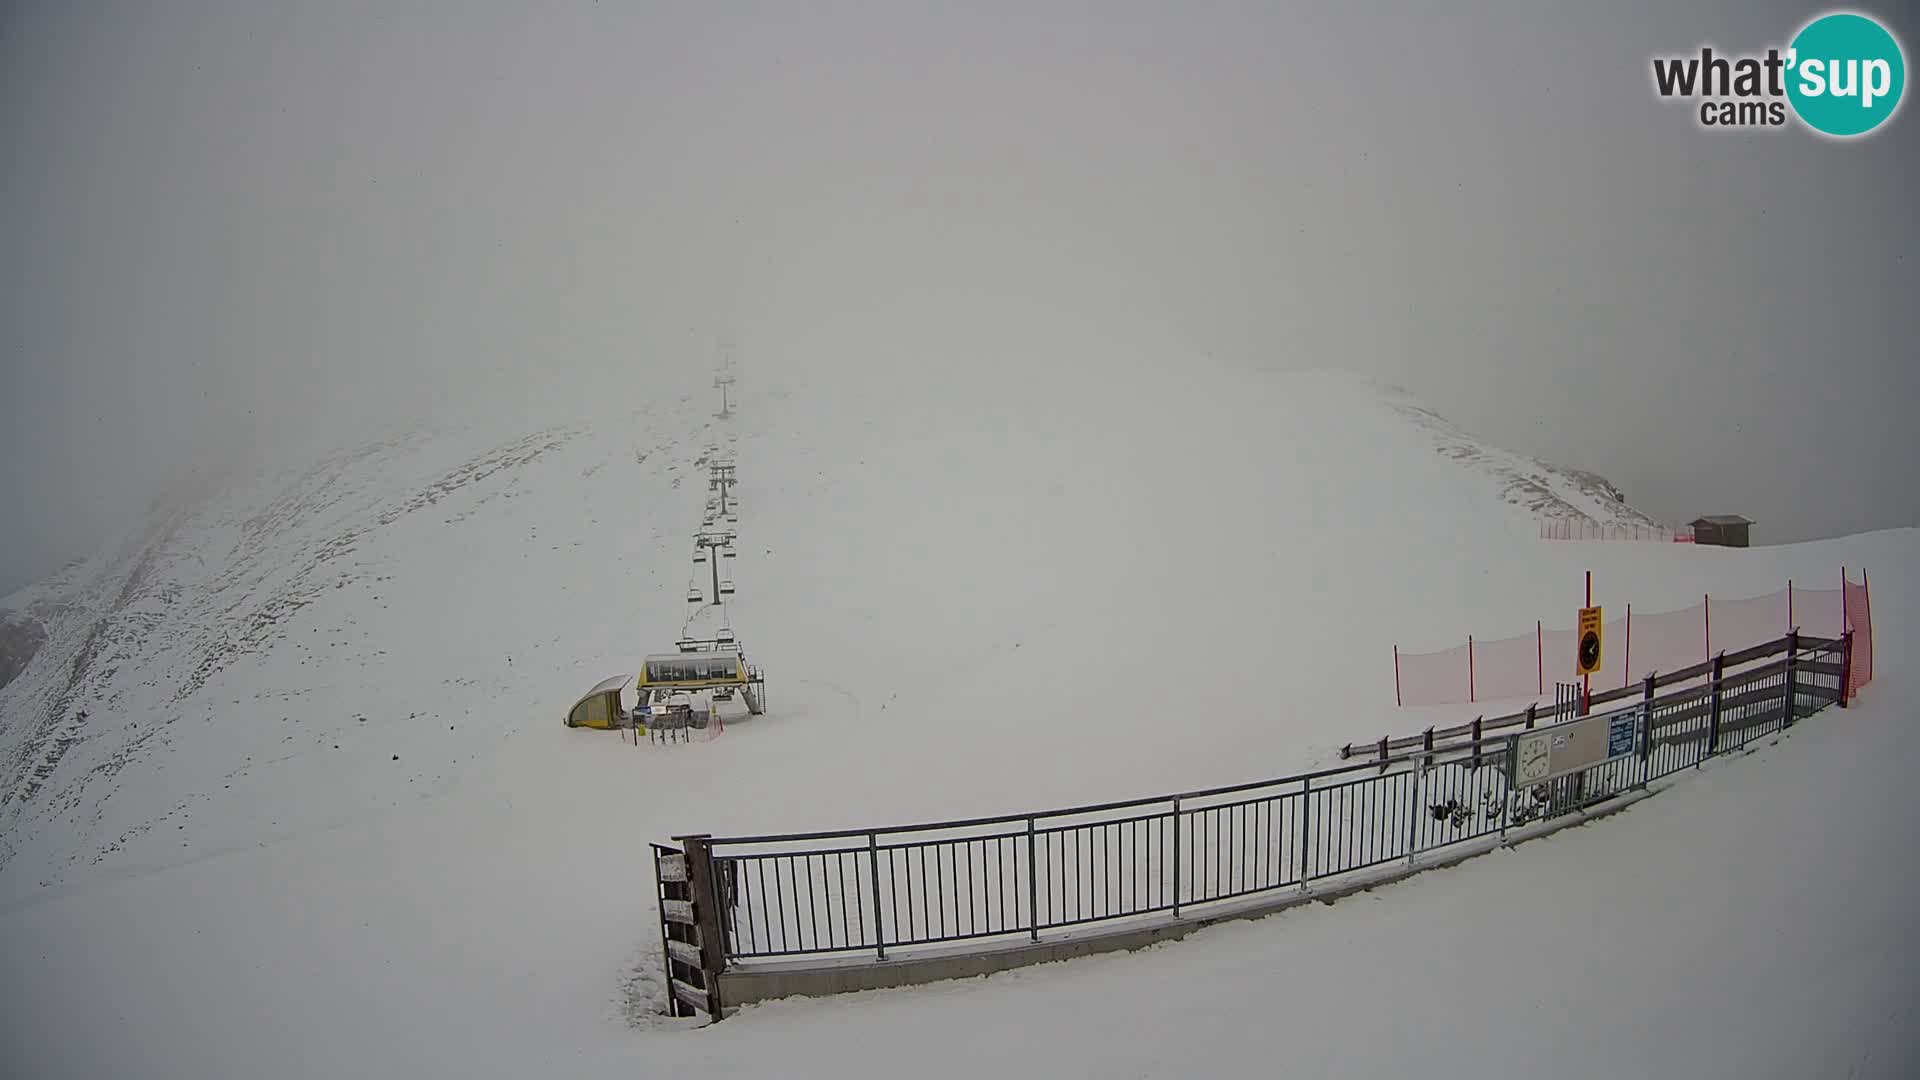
(706, 914)
(1476, 738)
(1426, 746)
(1530, 707)
(675, 1007)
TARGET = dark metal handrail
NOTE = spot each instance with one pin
(875, 889)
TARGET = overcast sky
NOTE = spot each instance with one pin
(230, 228)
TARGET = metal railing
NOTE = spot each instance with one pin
(899, 887)
(1480, 728)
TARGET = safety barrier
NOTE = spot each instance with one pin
(893, 893)
(1527, 665)
(1589, 529)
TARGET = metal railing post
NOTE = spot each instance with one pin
(1176, 856)
(1713, 713)
(1513, 745)
(1033, 885)
(1793, 666)
(1306, 800)
(1846, 663)
(1414, 776)
(1477, 732)
(1646, 731)
(873, 868)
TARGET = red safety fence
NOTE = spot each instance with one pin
(1589, 529)
(1859, 606)
(1637, 643)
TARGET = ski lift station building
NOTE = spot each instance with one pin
(693, 671)
(664, 677)
(717, 670)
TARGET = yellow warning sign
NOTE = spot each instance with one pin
(1586, 660)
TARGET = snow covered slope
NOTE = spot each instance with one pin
(297, 747)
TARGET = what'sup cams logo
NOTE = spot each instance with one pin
(1842, 76)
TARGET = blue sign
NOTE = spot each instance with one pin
(1621, 728)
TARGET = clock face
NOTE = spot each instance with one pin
(1589, 651)
(1532, 758)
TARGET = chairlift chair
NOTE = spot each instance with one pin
(726, 588)
(700, 556)
(694, 596)
(729, 553)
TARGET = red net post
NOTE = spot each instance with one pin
(1857, 617)
(1866, 601)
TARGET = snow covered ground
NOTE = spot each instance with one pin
(321, 817)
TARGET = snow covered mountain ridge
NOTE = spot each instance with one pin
(290, 577)
(1547, 490)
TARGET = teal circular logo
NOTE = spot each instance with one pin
(1845, 74)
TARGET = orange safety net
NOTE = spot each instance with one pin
(1636, 644)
